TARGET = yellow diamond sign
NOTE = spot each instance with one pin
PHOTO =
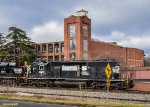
(108, 71)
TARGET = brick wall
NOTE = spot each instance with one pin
(78, 21)
(47, 54)
(135, 57)
(96, 49)
(126, 56)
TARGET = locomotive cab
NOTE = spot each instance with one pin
(40, 69)
(116, 72)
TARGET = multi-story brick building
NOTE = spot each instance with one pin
(53, 51)
(78, 45)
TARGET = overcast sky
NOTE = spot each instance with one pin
(126, 22)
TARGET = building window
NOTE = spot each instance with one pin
(57, 58)
(62, 57)
(37, 49)
(50, 58)
(44, 58)
(72, 30)
(72, 56)
(62, 48)
(72, 45)
(85, 45)
(56, 48)
(44, 48)
(85, 30)
(50, 48)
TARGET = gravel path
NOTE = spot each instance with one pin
(110, 95)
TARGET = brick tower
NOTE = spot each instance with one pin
(77, 36)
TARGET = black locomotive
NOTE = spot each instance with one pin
(10, 73)
(89, 74)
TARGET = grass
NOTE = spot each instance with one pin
(7, 106)
(40, 99)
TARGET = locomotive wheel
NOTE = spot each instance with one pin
(49, 84)
(1, 82)
(94, 85)
(88, 83)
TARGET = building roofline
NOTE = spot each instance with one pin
(50, 42)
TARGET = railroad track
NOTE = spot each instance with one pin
(88, 93)
(77, 93)
(87, 89)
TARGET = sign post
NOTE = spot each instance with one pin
(108, 72)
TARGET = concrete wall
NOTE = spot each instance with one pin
(142, 86)
(136, 73)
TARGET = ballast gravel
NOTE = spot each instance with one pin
(110, 95)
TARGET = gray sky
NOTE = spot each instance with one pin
(126, 22)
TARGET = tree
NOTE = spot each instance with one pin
(147, 60)
(19, 47)
(2, 43)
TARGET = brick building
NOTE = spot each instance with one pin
(78, 45)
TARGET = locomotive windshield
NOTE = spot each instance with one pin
(84, 71)
(41, 69)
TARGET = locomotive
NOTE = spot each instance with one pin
(10, 73)
(88, 74)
